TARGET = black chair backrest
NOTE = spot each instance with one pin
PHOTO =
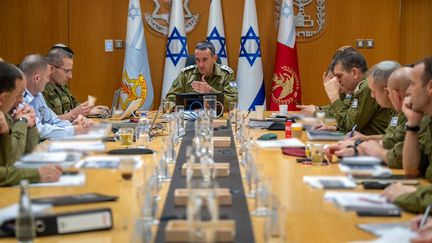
(191, 60)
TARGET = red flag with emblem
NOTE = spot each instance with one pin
(286, 88)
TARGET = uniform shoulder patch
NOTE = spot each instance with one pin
(188, 68)
(226, 68)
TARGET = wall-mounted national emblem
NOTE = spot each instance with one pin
(158, 20)
(309, 18)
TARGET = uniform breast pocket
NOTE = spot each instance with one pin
(66, 103)
(56, 104)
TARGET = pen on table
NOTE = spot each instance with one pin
(351, 134)
(373, 201)
(425, 216)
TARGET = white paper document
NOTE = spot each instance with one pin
(359, 201)
(366, 170)
(396, 234)
(65, 180)
(81, 146)
(105, 162)
(38, 159)
(97, 132)
(330, 182)
(289, 142)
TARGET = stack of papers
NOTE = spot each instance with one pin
(329, 182)
(37, 159)
(314, 135)
(105, 162)
(365, 170)
(289, 142)
(65, 180)
(360, 202)
(81, 146)
(97, 132)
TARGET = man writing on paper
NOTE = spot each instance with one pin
(364, 113)
(57, 93)
(37, 71)
(18, 134)
(206, 76)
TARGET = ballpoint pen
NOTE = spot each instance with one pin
(425, 216)
(351, 134)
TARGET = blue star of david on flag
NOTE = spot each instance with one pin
(215, 36)
(133, 12)
(175, 57)
(250, 55)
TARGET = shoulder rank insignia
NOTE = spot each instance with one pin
(188, 68)
(226, 68)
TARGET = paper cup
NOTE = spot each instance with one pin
(91, 100)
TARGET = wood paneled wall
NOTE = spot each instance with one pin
(401, 30)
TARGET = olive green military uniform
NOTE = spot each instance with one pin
(330, 112)
(371, 119)
(222, 80)
(12, 146)
(425, 142)
(59, 98)
(393, 140)
(416, 202)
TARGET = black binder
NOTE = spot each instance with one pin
(67, 223)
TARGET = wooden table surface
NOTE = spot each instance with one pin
(308, 217)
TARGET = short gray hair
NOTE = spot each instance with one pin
(33, 63)
(57, 53)
(381, 72)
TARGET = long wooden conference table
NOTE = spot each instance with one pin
(308, 217)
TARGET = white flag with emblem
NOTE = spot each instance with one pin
(176, 48)
(136, 77)
(249, 70)
(216, 32)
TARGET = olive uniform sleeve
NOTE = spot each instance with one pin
(394, 156)
(13, 145)
(176, 87)
(230, 89)
(12, 176)
(32, 139)
(417, 201)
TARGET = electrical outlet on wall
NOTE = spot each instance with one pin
(109, 46)
(360, 43)
(370, 43)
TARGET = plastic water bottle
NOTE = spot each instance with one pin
(142, 131)
(25, 225)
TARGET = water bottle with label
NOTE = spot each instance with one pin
(142, 131)
(25, 225)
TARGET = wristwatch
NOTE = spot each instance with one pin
(411, 128)
(22, 119)
(357, 142)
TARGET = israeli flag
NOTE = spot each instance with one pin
(249, 70)
(176, 49)
(136, 77)
(216, 32)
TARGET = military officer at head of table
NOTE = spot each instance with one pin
(206, 76)
(18, 133)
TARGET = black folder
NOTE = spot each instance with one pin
(67, 223)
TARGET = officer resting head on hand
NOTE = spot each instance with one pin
(206, 76)
(18, 135)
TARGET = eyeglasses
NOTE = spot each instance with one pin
(67, 71)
